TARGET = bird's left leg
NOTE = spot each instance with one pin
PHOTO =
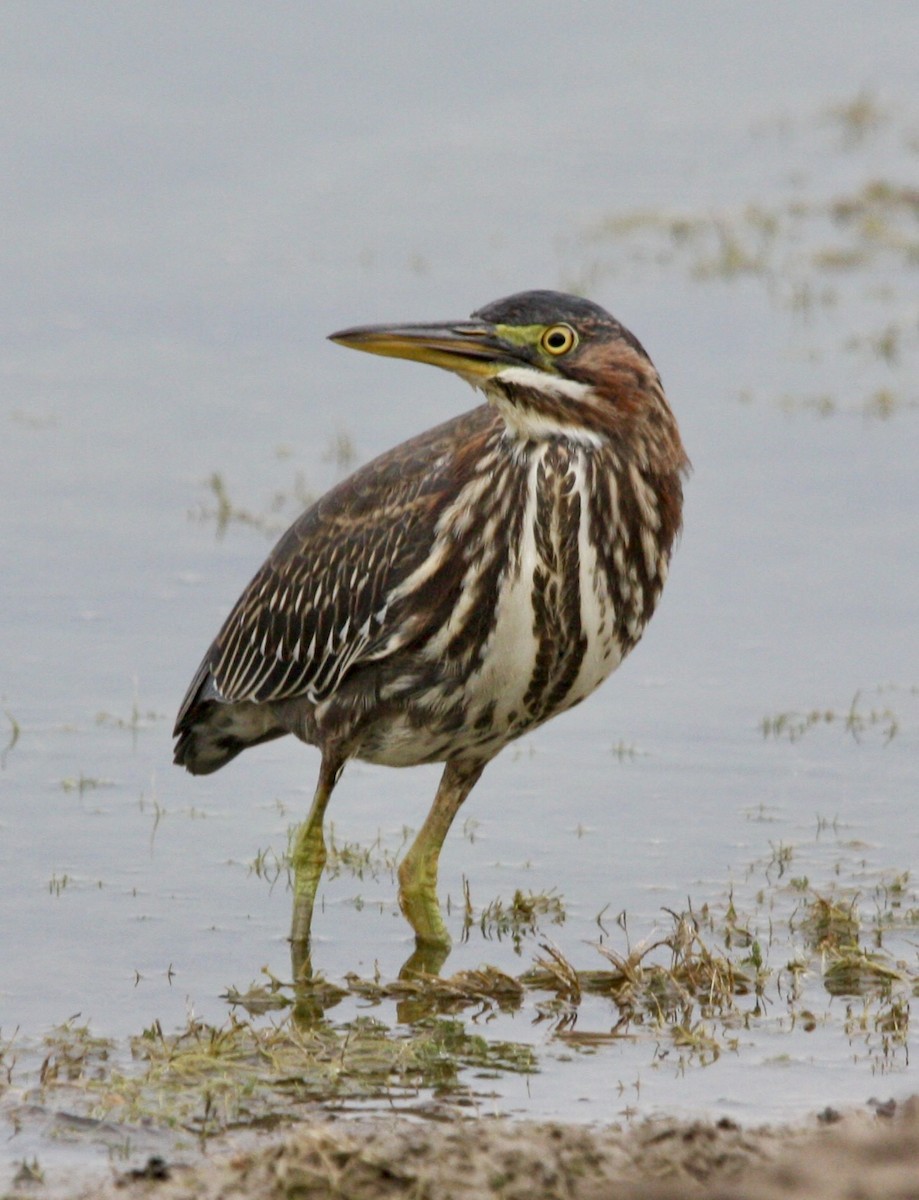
(418, 870)
(309, 856)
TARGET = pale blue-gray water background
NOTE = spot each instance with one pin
(194, 196)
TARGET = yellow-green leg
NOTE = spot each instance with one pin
(308, 859)
(418, 870)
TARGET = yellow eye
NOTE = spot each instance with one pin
(558, 339)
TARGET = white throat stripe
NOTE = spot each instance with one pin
(539, 381)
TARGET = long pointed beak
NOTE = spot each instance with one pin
(472, 349)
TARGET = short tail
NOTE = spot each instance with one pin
(210, 731)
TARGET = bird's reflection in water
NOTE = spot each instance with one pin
(313, 995)
(420, 992)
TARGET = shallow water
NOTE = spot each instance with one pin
(196, 200)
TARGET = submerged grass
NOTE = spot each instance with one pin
(275, 514)
(858, 720)
(205, 1080)
(15, 731)
(787, 244)
(705, 983)
(519, 918)
(270, 519)
(835, 267)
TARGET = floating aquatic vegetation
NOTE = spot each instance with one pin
(858, 720)
(772, 959)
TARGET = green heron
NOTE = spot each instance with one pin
(462, 588)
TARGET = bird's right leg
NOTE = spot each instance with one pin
(308, 859)
(418, 870)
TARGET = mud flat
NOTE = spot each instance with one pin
(872, 1155)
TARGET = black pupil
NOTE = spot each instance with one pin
(557, 339)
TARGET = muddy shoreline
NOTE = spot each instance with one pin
(873, 1155)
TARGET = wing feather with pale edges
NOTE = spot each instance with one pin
(327, 599)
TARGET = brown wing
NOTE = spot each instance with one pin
(327, 597)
